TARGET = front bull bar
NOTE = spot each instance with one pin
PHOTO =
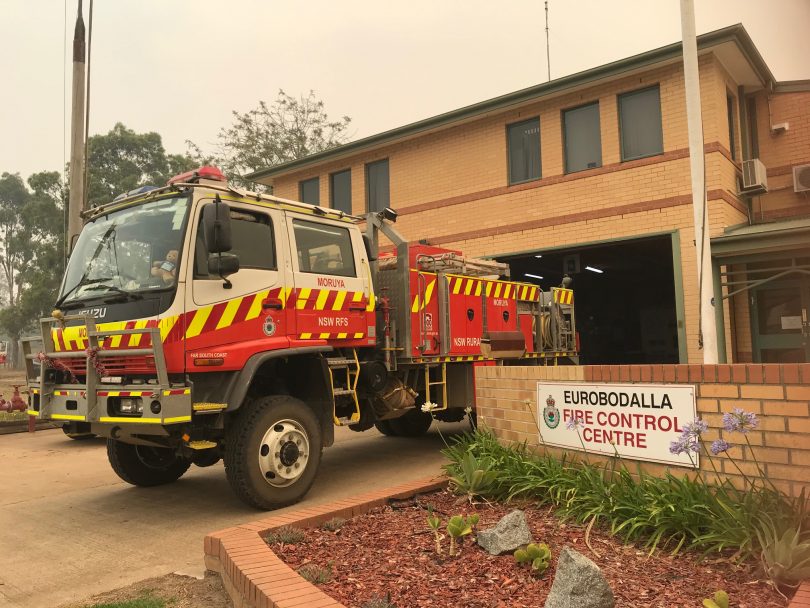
(88, 401)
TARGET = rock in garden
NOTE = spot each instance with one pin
(508, 534)
(579, 583)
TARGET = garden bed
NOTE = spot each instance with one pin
(390, 553)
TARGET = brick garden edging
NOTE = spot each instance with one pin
(254, 576)
(802, 597)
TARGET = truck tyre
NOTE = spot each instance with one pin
(145, 466)
(413, 424)
(384, 426)
(272, 451)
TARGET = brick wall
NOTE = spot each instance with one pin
(451, 188)
(778, 394)
(781, 151)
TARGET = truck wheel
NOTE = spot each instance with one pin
(143, 465)
(272, 451)
(384, 426)
(413, 424)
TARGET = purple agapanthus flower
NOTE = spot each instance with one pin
(684, 445)
(719, 446)
(740, 421)
(574, 423)
(695, 428)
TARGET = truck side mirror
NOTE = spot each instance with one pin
(223, 264)
(216, 224)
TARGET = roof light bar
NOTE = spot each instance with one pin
(194, 175)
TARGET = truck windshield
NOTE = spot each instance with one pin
(127, 253)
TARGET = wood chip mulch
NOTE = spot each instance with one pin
(390, 553)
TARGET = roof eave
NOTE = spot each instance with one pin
(735, 33)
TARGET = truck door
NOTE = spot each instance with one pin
(332, 297)
(251, 315)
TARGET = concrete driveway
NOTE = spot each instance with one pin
(69, 528)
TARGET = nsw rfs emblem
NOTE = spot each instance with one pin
(269, 326)
(551, 414)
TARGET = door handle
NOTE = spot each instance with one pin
(357, 307)
(272, 303)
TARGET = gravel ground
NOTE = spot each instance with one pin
(177, 591)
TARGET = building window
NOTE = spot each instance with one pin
(309, 191)
(324, 249)
(730, 108)
(340, 190)
(640, 123)
(583, 143)
(378, 195)
(523, 141)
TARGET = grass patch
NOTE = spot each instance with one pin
(286, 535)
(146, 601)
(334, 524)
(12, 416)
(317, 575)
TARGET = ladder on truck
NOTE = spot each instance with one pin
(344, 372)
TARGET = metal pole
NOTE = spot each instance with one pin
(548, 54)
(694, 120)
(76, 197)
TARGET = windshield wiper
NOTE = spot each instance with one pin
(81, 283)
(128, 295)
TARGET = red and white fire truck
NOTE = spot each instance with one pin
(198, 321)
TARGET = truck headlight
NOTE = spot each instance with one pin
(131, 406)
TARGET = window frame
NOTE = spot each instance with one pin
(296, 221)
(624, 157)
(565, 138)
(731, 117)
(234, 209)
(332, 189)
(368, 183)
(509, 126)
(317, 180)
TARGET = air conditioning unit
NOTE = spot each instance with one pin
(801, 178)
(755, 178)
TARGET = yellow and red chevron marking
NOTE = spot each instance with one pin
(125, 393)
(75, 337)
(563, 296)
(428, 295)
(246, 308)
(177, 391)
(505, 290)
(305, 335)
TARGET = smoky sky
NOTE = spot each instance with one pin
(180, 67)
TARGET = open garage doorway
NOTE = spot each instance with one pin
(624, 297)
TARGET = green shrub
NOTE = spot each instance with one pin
(538, 556)
(785, 553)
(668, 512)
(718, 600)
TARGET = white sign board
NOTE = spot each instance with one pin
(636, 420)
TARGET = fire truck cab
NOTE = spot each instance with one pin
(199, 322)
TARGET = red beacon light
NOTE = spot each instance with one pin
(196, 175)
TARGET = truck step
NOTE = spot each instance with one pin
(342, 391)
(201, 444)
(340, 362)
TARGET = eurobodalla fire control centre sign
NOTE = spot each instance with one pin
(637, 421)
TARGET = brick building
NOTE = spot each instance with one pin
(589, 175)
